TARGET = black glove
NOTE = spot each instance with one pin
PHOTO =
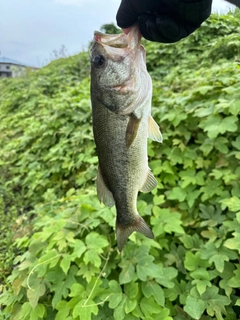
(164, 20)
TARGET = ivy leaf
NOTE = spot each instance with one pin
(84, 309)
(91, 256)
(151, 288)
(166, 275)
(130, 305)
(76, 290)
(34, 293)
(215, 301)
(233, 243)
(96, 242)
(116, 294)
(65, 263)
(177, 193)
(236, 143)
(235, 281)
(215, 124)
(149, 306)
(217, 255)
(127, 273)
(131, 290)
(166, 221)
(232, 203)
(38, 312)
(195, 307)
(119, 311)
(146, 268)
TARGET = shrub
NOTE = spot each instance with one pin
(69, 267)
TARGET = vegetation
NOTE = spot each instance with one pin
(63, 262)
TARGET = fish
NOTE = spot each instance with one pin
(121, 93)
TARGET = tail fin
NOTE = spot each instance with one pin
(123, 232)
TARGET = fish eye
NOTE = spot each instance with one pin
(98, 60)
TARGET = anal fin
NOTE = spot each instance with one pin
(150, 182)
(104, 194)
(153, 130)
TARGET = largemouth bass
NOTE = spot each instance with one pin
(121, 92)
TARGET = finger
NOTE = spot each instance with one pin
(163, 28)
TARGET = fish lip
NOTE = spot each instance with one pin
(111, 40)
(130, 41)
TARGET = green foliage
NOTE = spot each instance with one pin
(110, 28)
(66, 263)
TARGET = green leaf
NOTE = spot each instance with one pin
(177, 193)
(76, 290)
(127, 273)
(84, 309)
(236, 143)
(151, 288)
(96, 242)
(235, 281)
(130, 305)
(38, 312)
(116, 294)
(131, 290)
(233, 243)
(193, 261)
(165, 276)
(149, 306)
(232, 203)
(195, 307)
(166, 221)
(119, 311)
(215, 124)
(65, 263)
(34, 293)
(91, 256)
(146, 268)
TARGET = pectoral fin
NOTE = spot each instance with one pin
(104, 194)
(150, 183)
(153, 130)
(132, 129)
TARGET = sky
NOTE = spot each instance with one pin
(35, 31)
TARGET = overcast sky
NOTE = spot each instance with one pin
(31, 29)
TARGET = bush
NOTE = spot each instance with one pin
(69, 266)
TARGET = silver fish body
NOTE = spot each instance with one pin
(121, 91)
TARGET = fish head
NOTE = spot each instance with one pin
(118, 71)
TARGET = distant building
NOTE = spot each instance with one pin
(12, 68)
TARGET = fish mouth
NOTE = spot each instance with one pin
(130, 41)
(111, 40)
(117, 47)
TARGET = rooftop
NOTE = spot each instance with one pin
(8, 60)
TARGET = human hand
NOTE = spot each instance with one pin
(163, 20)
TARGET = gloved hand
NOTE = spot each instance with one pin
(164, 20)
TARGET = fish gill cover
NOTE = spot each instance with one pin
(58, 257)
